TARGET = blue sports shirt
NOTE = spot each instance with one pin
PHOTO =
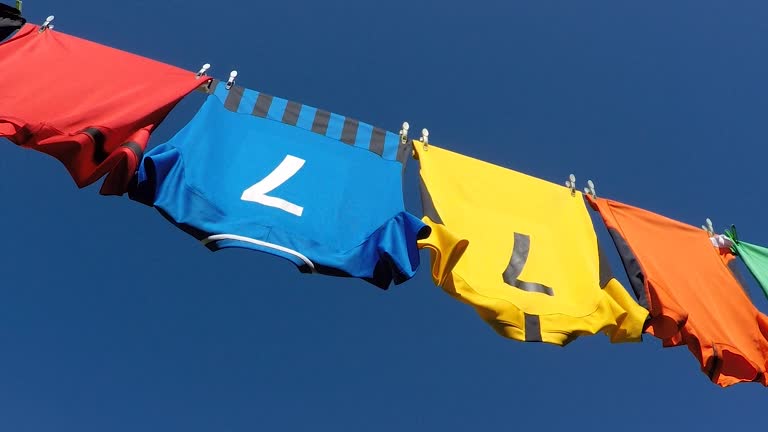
(322, 190)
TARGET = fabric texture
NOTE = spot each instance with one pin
(322, 190)
(90, 106)
(755, 258)
(521, 251)
(10, 20)
(692, 294)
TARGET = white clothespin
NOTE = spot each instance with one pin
(404, 133)
(721, 241)
(203, 70)
(571, 184)
(709, 228)
(590, 189)
(231, 80)
(47, 24)
(425, 137)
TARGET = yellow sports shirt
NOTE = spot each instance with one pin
(521, 251)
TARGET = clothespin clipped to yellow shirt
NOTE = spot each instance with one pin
(424, 138)
(571, 184)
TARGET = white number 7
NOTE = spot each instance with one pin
(258, 192)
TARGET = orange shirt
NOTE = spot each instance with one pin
(693, 297)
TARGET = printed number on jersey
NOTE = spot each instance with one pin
(516, 263)
(258, 192)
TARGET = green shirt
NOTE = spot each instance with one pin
(755, 257)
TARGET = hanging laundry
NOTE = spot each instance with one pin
(255, 171)
(90, 106)
(755, 257)
(521, 251)
(693, 297)
(10, 20)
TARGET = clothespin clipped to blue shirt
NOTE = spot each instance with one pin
(404, 138)
(404, 133)
(571, 184)
(590, 189)
(46, 25)
(231, 80)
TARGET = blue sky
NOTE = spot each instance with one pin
(112, 319)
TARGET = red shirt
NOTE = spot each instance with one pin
(88, 105)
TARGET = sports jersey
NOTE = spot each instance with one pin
(755, 258)
(10, 20)
(90, 106)
(692, 295)
(521, 251)
(322, 190)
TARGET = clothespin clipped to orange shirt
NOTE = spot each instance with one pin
(719, 241)
(590, 189)
(709, 228)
